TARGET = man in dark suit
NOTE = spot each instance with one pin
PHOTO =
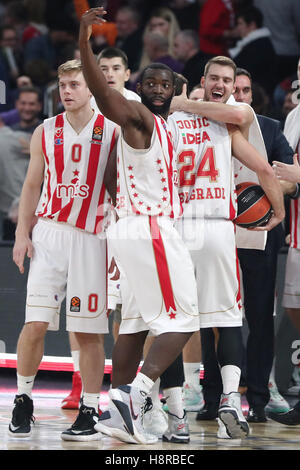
(259, 269)
(255, 50)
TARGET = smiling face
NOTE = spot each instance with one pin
(73, 90)
(115, 72)
(218, 83)
(156, 90)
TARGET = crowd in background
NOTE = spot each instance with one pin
(36, 36)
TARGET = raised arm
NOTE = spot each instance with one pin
(249, 156)
(29, 200)
(111, 103)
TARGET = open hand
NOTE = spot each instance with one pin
(90, 17)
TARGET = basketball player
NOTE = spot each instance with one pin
(114, 64)
(206, 188)
(146, 246)
(69, 156)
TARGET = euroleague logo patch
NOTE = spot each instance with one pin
(75, 304)
(97, 134)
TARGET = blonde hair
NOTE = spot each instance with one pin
(73, 65)
(174, 28)
(220, 60)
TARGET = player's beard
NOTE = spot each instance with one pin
(163, 109)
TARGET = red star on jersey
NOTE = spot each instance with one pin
(131, 177)
(133, 186)
(163, 180)
(165, 189)
(130, 168)
(161, 170)
(75, 172)
(158, 162)
(135, 195)
(172, 316)
(164, 199)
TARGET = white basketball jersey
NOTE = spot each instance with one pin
(205, 166)
(73, 190)
(147, 177)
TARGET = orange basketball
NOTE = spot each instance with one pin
(253, 206)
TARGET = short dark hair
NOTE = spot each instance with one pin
(240, 71)
(180, 80)
(157, 66)
(110, 53)
(251, 14)
(30, 89)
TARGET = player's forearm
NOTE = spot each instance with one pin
(273, 191)
(221, 112)
(27, 207)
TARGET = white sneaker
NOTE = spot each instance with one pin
(155, 419)
(276, 404)
(178, 430)
(130, 402)
(111, 424)
(192, 397)
(231, 415)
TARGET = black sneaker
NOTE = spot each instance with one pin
(21, 417)
(83, 428)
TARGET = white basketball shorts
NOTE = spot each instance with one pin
(160, 276)
(217, 273)
(291, 291)
(67, 263)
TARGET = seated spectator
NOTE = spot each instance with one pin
(255, 51)
(14, 157)
(162, 21)
(10, 61)
(197, 93)
(129, 38)
(186, 50)
(157, 49)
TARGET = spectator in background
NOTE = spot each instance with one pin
(162, 21)
(14, 157)
(216, 20)
(157, 49)
(10, 62)
(197, 93)
(186, 50)
(255, 51)
(12, 116)
(129, 38)
(282, 18)
(186, 12)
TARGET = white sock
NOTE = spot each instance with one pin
(91, 400)
(142, 382)
(230, 378)
(25, 384)
(75, 357)
(155, 394)
(191, 373)
(174, 401)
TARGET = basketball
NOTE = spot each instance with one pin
(253, 206)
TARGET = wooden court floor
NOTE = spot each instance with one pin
(51, 420)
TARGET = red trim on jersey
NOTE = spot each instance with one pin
(162, 264)
(170, 165)
(91, 175)
(232, 211)
(48, 173)
(58, 159)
